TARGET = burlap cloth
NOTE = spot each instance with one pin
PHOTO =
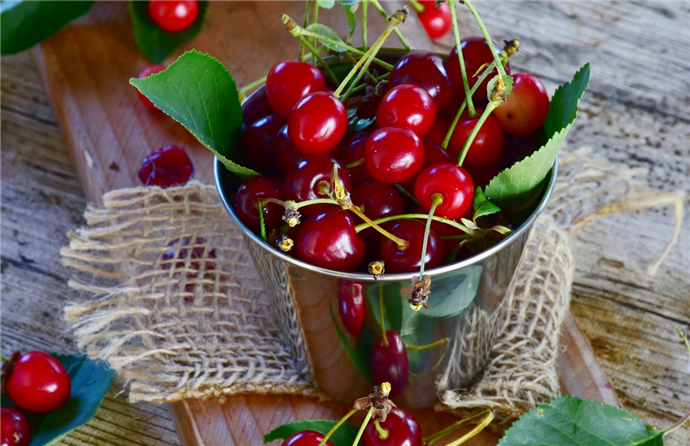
(171, 301)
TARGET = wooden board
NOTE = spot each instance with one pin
(109, 132)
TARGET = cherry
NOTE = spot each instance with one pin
(389, 361)
(526, 107)
(351, 305)
(436, 22)
(247, 206)
(452, 182)
(487, 145)
(310, 179)
(425, 69)
(147, 71)
(377, 199)
(393, 155)
(352, 149)
(402, 428)
(329, 240)
(289, 81)
(407, 106)
(475, 53)
(14, 429)
(305, 438)
(258, 144)
(173, 15)
(166, 167)
(285, 151)
(38, 383)
(197, 252)
(317, 123)
(410, 259)
(433, 154)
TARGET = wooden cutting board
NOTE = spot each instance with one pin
(86, 68)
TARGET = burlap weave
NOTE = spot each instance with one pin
(172, 302)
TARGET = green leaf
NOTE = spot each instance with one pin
(482, 207)
(325, 31)
(570, 421)
(328, 4)
(90, 382)
(507, 80)
(198, 92)
(519, 185)
(393, 303)
(451, 295)
(352, 353)
(23, 24)
(154, 43)
(344, 436)
(351, 18)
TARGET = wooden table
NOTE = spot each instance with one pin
(636, 113)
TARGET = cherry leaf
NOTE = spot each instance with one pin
(330, 33)
(198, 92)
(327, 4)
(344, 436)
(519, 184)
(482, 207)
(154, 43)
(570, 421)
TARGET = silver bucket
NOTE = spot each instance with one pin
(446, 346)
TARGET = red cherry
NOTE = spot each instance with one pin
(436, 22)
(487, 145)
(526, 107)
(305, 438)
(452, 182)
(329, 240)
(352, 149)
(393, 155)
(410, 259)
(425, 69)
(166, 167)
(310, 178)
(378, 199)
(147, 71)
(38, 383)
(317, 123)
(475, 53)
(289, 81)
(389, 363)
(173, 15)
(351, 305)
(285, 151)
(247, 207)
(407, 106)
(14, 429)
(402, 429)
(433, 154)
(258, 144)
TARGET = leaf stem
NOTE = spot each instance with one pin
(336, 426)
(485, 33)
(385, 15)
(461, 60)
(363, 426)
(325, 66)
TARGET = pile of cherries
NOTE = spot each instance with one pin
(36, 382)
(385, 146)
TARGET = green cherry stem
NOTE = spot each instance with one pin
(461, 60)
(439, 343)
(488, 418)
(262, 224)
(489, 108)
(362, 226)
(242, 93)
(365, 5)
(385, 15)
(428, 441)
(382, 432)
(353, 61)
(436, 199)
(382, 310)
(408, 194)
(485, 33)
(363, 426)
(307, 13)
(325, 66)
(354, 164)
(417, 6)
(336, 426)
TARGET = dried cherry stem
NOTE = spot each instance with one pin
(487, 414)
(362, 226)
(384, 14)
(471, 111)
(335, 428)
(365, 5)
(363, 426)
(325, 66)
(436, 199)
(401, 242)
(298, 204)
(384, 338)
(439, 343)
(485, 33)
(382, 432)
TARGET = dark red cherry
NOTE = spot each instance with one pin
(305, 438)
(329, 240)
(247, 207)
(310, 178)
(147, 71)
(475, 53)
(166, 167)
(407, 106)
(389, 362)
(433, 154)
(352, 149)
(378, 199)
(351, 305)
(258, 145)
(173, 15)
(403, 430)
(526, 107)
(14, 428)
(438, 131)
(182, 253)
(317, 123)
(486, 147)
(452, 182)
(425, 69)
(410, 259)
(289, 81)
(393, 155)
(285, 151)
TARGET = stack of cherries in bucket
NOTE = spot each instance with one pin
(348, 179)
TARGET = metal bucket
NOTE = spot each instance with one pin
(446, 346)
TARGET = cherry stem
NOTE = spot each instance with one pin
(385, 15)
(428, 441)
(407, 194)
(436, 199)
(325, 66)
(382, 310)
(485, 33)
(417, 6)
(362, 226)
(307, 13)
(354, 164)
(461, 60)
(439, 343)
(364, 425)
(261, 220)
(382, 432)
(478, 428)
(365, 5)
(361, 87)
(402, 243)
(487, 111)
(335, 428)
(249, 87)
(353, 61)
